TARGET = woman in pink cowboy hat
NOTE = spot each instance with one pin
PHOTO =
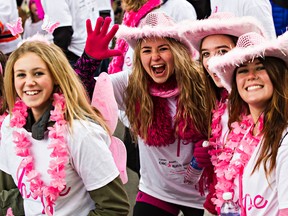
(253, 163)
(163, 97)
(216, 35)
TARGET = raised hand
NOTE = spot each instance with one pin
(97, 43)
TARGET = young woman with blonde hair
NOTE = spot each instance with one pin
(61, 164)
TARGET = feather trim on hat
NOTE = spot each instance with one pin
(219, 23)
(165, 27)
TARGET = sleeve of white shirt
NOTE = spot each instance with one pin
(179, 10)
(261, 9)
(58, 11)
(120, 82)
(91, 156)
(282, 174)
(8, 11)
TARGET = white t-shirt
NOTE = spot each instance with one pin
(75, 13)
(162, 171)
(91, 166)
(260, 9)
(262, 196)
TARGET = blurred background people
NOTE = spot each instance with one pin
(280, 15)
(261, 9)
(71, 34)
(8, 14)
(33, 23)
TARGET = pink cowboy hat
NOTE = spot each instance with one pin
(249, 46)
(219, 23)
(155, 24)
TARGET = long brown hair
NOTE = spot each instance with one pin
(275, 113)
(213, 92)
(3, 60)
(191, 103)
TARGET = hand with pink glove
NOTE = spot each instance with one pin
(201, 154)
(200, 160)
(97, 43)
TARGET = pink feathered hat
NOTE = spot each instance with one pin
(155, 24)
(249, 46)
(219, 23)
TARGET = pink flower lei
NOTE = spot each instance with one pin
(216, 127)
(59, 155)
(241, 142)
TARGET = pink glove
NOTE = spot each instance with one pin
(97, 43)
(201, 154)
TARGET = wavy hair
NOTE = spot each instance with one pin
(275, 113)
(3, 60)
(191, 102)
(77, 102)
(132, 5)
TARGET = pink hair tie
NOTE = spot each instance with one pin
(1, 69)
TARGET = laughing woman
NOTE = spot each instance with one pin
(163, 97)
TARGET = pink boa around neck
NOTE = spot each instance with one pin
(162, 132)
(130, 19)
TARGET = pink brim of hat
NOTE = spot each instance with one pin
(132, 34)
(224, 66)
(197, 30)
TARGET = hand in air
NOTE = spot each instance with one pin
(97, 43)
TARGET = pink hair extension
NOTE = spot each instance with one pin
(40, 9)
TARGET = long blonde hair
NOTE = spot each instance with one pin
(77, 102)
(191, 102)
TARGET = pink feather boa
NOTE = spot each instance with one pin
(130, 19)
(162, 132)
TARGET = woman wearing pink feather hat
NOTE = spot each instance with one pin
(216, 35)
(163, 97)
(253, 163)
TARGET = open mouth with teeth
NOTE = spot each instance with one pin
(31, 93)
(254, 87)
(158, 69)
